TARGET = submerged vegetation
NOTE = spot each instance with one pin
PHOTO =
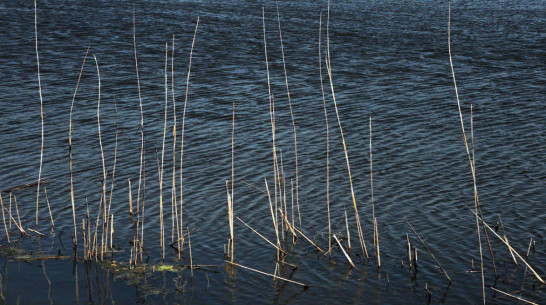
(94, 235)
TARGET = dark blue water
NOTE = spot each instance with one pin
(389, 59)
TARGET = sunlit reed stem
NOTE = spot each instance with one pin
(329, 68)
(472, 168)
(140, 178)
(102, 156)
(41, 108)
(183, 129)
(161, 220)
(70, 131)
(327, 136)
(291, 112)
(174, 205)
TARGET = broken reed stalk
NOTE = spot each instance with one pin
(307, 238)
(184, 126)
(142, 160)
(230, 220)
(49, 209)
(289, 226)
(174, 205)
(409, 252)
(291, 112)
(428, 250)
(345, 253)
(513, 296)
(375, 232)
(104, 177)
(189, 246)
(18, 218)
(268, 274)
(130, 199)
(232, 178)
(275, 224)
(476, 203)
(348, 232)
(70, 131)
(506, 239)
(161, 220)
(4, 218)
(18, 225)
(327, 136)
(263, 237)
(41, 107)
(513, 250)
(329, 68)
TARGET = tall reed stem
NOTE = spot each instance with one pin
(329, 68)
(41, 108)
(70, 131)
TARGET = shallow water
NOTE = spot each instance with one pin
(389, 59)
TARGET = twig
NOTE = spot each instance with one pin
(264, 273)
(513, 296)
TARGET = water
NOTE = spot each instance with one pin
(389, 59)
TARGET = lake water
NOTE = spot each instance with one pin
(389, 60)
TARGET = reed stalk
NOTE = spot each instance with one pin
(291, 111)
(348, 232)
(428, 250)
(268, 274)
(504, 241)
(230, 220)
(18, 225)
(104, 176)
(49, 209)
(17, 210)
(327, 136)
(142, 160)
(513, 296)
(275, 224)
(184, 126)
(329, 68)
(263, 237)
(113, 170)
(4, 218)
(161, 220)
(232, 179)
(345, 253)
(409, 251)
(41, 108)
(130, 199)
(189, 246)
(476, 202)
(174, 205)
(70, 131)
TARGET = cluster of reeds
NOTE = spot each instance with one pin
(98, 232)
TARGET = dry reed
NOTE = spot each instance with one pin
(272, 275)
(345, 253)
(70, 131)
(41, 108)
(329, 68)
(291, 112)
(183, 129)
(327, 136)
